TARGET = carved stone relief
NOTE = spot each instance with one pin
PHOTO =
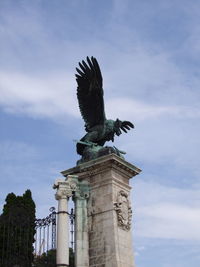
(65, 188)
(63, 194)
(123, 209)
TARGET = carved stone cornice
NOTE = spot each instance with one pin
(101, 164)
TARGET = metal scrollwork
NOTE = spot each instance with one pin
(45, 237)
(51, 218)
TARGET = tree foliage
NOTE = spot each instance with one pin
(46, 259)
(49, 259)
(17, 229)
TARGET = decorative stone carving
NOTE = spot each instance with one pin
(66, 189)
(63, 191)
(82, 190)
(123, 209)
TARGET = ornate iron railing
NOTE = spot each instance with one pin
(45, 237)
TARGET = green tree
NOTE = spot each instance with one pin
(49, 259)
(17, 229)
(46, 259)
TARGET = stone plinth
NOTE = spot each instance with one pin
(109, 210)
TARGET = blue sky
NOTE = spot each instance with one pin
(149, 53)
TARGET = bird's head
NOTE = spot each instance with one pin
(122, 125)
(112, 128)
(116, 127)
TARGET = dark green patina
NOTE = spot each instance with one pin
(91, 104)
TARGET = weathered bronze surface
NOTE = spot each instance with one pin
(91, 104)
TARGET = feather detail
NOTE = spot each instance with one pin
(90, 92)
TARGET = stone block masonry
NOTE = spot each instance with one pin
(108, 209)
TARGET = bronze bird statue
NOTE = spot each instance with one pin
(91, 104)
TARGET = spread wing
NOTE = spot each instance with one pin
(90, 93)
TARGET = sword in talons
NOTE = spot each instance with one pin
(85, 143)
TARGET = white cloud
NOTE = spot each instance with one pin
(128, 108)
(166, 212)
(169, 221)
(50, 97)
(145, 72)
(54, 95)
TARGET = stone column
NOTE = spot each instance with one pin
(81, 225)
(62, 195)
(109, 210)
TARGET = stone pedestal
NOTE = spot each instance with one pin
(109, 210)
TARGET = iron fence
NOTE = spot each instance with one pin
(20, 237)
(45, 236)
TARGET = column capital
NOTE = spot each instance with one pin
(64, 190)
(71, 186)
(62, 194)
